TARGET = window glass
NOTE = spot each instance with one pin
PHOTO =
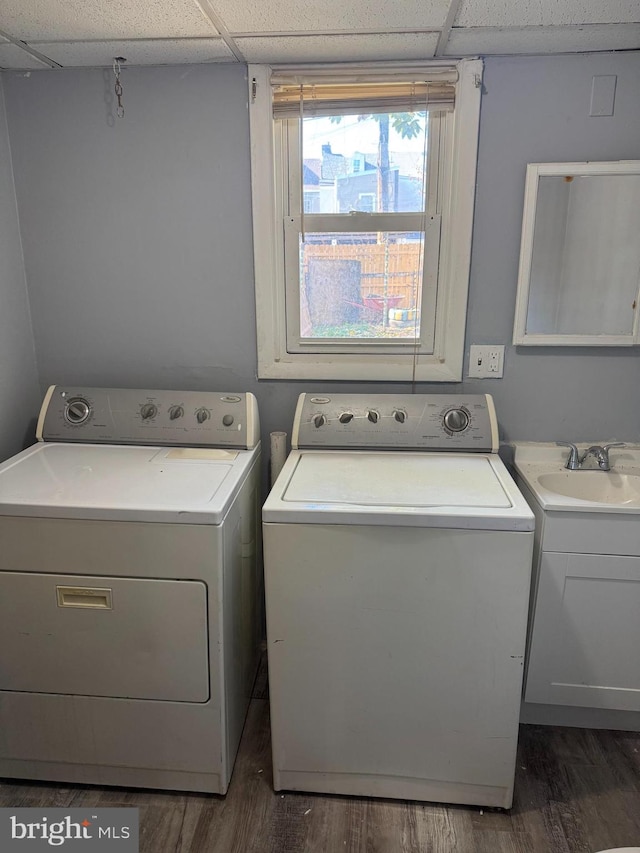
(366, 162)
(363, 285)
(360, 283)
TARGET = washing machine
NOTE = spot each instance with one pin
(397, 567)
(129, 589)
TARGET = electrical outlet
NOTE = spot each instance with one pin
(486, 362)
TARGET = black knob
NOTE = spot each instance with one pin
(400, 415)
(319, 420)
(149, 410)
(373, 416)
(203, 415)
(227, 420)
(176, 412)
(345, 417)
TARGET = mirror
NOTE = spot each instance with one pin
(580, 255)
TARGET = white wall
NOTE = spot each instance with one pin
(19, 391)
(137, 235)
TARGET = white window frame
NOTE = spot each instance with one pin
(370, 361)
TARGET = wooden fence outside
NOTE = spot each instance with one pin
(403, 265)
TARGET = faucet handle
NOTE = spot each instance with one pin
(573, 461)
(606, 447)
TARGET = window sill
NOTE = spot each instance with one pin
(373, 369)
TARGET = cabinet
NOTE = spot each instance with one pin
(585, 639)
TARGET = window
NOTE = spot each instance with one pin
(363, 187)
(366, 202)
(311, 201)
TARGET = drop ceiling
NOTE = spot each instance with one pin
(46, 34)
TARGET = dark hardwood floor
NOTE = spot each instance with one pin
(577, 791)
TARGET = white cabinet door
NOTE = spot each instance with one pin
(585, 647)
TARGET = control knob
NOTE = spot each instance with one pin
(77, 411)
(345, 417)
(227, 420)
(176, 412)
(148, 410)
(319, 420)
(203, 415)
(456, 420)
(373, 416)
(400, 415)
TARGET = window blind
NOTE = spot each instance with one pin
(317, 94)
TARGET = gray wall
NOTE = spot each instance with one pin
(19, 392)
(537, 110)
(137, 235)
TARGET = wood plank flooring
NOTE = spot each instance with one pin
(577, 791)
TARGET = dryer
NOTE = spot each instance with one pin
(397, 567)
(129, 589)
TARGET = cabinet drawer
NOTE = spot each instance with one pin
(592, 533)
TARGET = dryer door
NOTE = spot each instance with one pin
(100, 636)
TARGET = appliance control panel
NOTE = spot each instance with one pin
(167, 418)
(465, 422)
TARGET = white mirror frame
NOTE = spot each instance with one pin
(534, 172)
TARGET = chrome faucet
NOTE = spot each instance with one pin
(602, 454)
(575, 461)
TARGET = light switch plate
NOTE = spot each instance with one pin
(486, 362)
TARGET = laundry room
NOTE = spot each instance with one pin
(139, 250)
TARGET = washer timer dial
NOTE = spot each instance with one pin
(77, 411)
(456, 420)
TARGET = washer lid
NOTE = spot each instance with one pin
(410, 489)
(123, 483)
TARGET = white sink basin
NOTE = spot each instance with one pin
(608, 487)
(541, 469)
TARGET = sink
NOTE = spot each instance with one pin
(540, 470)
(603, 487)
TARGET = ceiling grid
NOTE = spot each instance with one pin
(53, 34)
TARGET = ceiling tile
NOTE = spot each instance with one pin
(153, 52)
(284, 16)
(11, 56)
(335, 48)
(506, 13)
(536, 40)
(80, 20)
